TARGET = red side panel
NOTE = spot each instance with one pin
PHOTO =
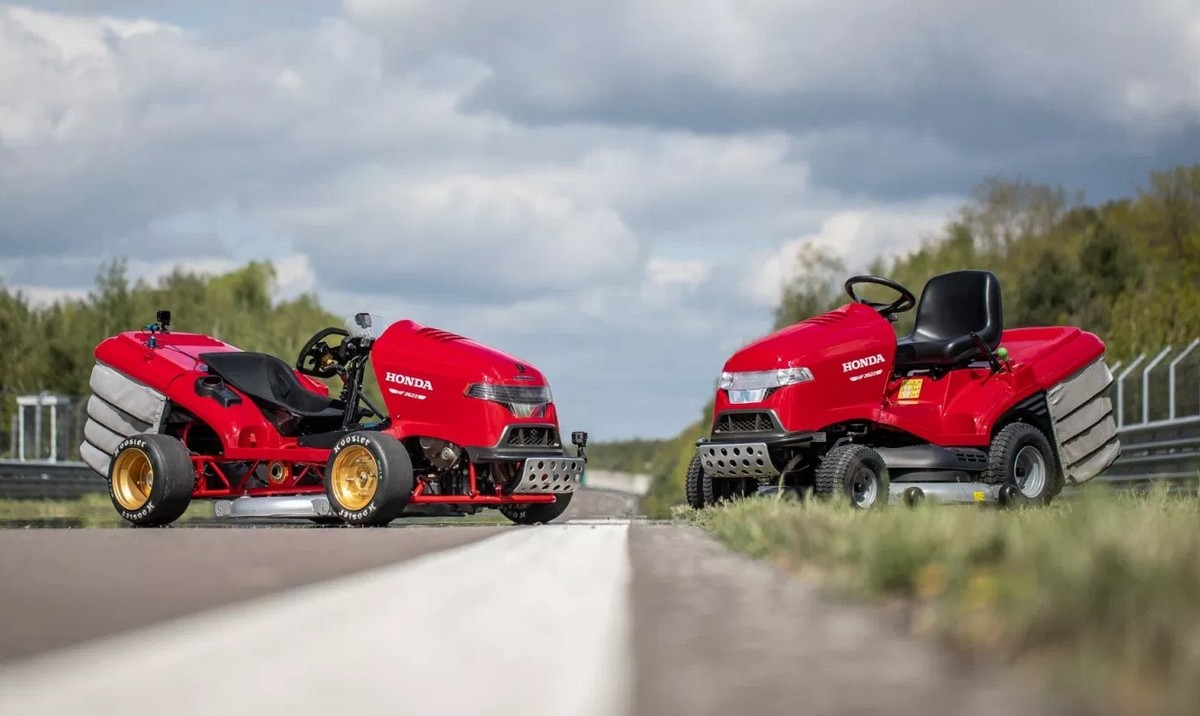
(173, 367)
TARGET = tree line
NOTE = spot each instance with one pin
(50, 347)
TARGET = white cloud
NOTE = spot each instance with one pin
(611, 190)
(1074, 55)
(856, 236)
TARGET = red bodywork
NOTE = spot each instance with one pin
(433, 404)
(959, 408)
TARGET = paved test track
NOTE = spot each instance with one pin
(601, 614)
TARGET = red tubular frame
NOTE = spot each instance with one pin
(298, 471)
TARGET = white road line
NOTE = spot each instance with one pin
(533, 621)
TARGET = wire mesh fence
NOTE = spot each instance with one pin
(1158, 386)
(43, 427)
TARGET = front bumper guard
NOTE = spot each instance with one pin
(737, 460)
(550, 475)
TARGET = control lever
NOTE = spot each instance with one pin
(986, 352)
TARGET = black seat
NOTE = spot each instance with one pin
(953, 306)
(274, 387)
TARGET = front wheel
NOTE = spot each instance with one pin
(1021, 456)
(368, 479)
(854, 474)
(538, 513)
(693, 483)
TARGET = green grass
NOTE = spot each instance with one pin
(1100, 594)
(87, 511)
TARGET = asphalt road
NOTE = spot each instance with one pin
(603, 614)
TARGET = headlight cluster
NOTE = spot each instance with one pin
(522, 401)
(754, 386)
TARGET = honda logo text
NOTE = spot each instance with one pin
(862, 363)
(405, 380)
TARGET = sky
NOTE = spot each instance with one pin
(611, 190)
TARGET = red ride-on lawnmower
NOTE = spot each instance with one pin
(175, 417)
(960, 410)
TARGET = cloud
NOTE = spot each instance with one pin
(857, 237)
(611, 190)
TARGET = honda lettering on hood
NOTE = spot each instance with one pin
(408, 381)
(861, 363)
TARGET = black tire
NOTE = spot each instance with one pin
(692, 484)
(393, 479)
(171, 479)
(539, 513)
(722, 489)
(848, 472)
(1016, 449)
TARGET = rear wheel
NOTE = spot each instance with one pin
(854, 474)
(541, 512)
(368, 479)
(150, 479)
(1021, 456)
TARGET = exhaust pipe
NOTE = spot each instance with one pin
(285, 506)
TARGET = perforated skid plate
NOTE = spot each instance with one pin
(737, 460)
(553, 475)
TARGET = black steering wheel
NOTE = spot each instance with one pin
(906, 302)
(317, 358)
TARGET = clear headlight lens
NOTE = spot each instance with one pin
(764, 379)
(752, 386)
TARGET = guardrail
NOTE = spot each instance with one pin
(30, 480)
(1162, 451)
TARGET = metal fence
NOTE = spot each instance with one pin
(1156, 401)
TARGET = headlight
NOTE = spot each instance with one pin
(522, 401)
(764, 379)
(754, 386)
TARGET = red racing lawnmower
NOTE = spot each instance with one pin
(175, 417)
(960, 410)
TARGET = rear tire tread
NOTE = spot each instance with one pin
(834, 472)
(1003, 451)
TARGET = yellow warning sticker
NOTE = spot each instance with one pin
(980, 496)
(910, 389)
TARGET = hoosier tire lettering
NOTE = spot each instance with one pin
(150, 480)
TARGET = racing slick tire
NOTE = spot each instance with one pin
(1021, 455)
(368, 479)
(855, 473)
(693, 484)
(539, 513)
(150, 479)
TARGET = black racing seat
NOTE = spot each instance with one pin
(274, 387)
(953, 306)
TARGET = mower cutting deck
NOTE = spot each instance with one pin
(960, 410)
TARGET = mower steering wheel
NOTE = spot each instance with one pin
(906, 302)
(317, 358)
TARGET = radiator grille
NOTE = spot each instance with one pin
(745, 423)
(532, 437)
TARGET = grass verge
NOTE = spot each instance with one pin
(1099, 595)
